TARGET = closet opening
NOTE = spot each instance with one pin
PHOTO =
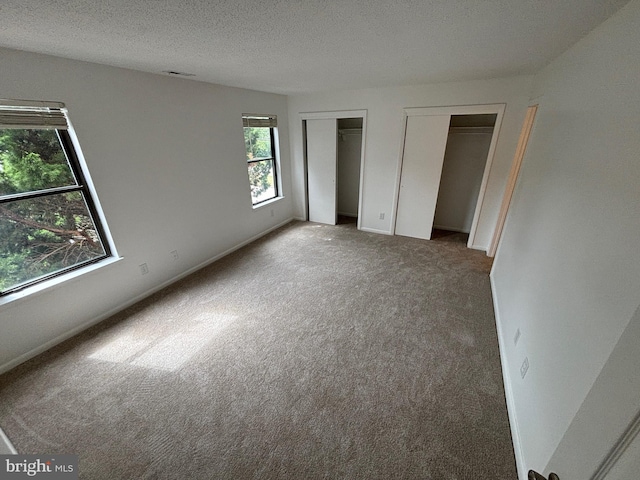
(348, 177)
(468, 142)
(334, 152)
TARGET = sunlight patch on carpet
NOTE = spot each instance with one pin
(168, 353)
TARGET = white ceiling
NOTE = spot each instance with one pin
(299, 46)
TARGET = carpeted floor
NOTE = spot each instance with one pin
(315, 352)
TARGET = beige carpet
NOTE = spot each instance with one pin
(315, 352)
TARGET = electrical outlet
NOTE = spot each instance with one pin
(516, 337)
(381, 216)
(174, 254)
(524, 368)
(144, 269)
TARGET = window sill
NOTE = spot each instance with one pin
(55, 282)
(267, 202)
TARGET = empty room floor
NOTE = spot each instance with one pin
(315, 352)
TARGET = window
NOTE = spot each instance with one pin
(48, 221)
(260, 143)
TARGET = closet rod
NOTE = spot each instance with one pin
(471, 129)
(350, 131)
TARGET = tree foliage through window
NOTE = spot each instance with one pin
(45, 224)
(261, 162)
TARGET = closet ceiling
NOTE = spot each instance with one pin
(350, 123)
(301, 46)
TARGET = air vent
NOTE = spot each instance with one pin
(178, 74)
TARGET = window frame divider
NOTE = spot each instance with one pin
(39, 193)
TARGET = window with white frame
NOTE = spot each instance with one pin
(260, 141)
(48, 221)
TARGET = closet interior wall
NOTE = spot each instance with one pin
(349, 159)
(468, 144)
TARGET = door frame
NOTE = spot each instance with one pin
(329, 115)
(494, 108)
(521, 149)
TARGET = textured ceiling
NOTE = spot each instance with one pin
(297, 46)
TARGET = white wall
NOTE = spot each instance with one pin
(167, 159)
(349, 148)
(383, 140)
(464, 162)
(567, 271)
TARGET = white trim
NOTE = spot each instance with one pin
(94, 196)
(508, 390)
(363, 148)
(55, 282)
(6, 447)
(375, 230)
(333, 114)
(278, 166)
(74, 331)
(516, 164)
(396, 196)
(271, 201)
(485, 179)
(337, 114)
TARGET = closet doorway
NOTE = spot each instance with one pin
(334, 155)
(432, 194)
(465, 156)
(349, 160)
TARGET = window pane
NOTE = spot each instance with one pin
(32, 160)
(262, 181)
(257, 141)
(44, 235)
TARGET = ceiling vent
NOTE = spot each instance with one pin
(178, 74)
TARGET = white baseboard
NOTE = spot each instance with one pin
(508, 390)
(375, 230)
(76, 330)
(6, 447)
(477, 247)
